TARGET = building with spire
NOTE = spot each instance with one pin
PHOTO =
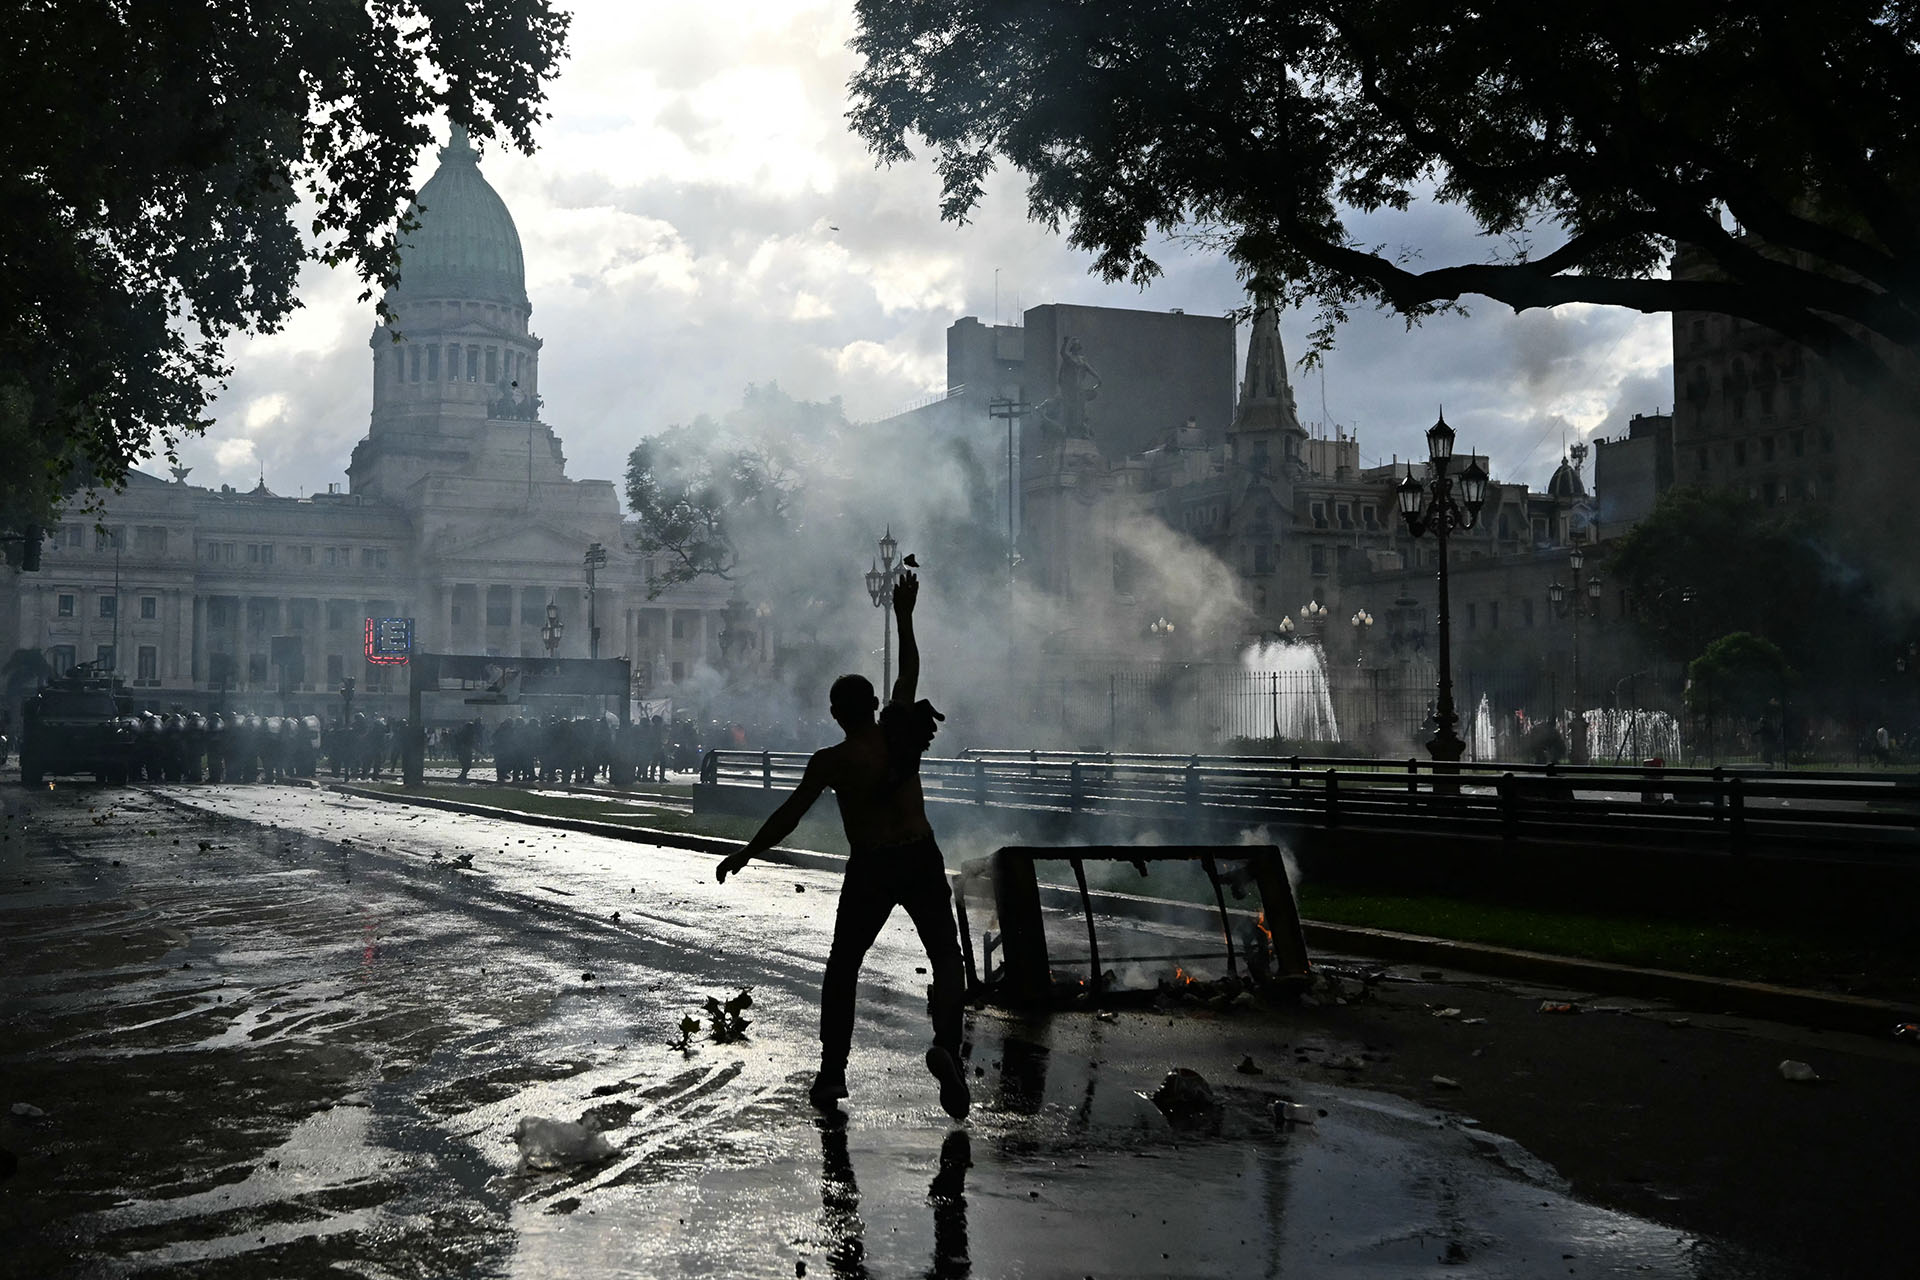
(458, 512)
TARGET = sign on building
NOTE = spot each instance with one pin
(389, 640)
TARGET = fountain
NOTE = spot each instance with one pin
(1483, 739)
(1287, 694)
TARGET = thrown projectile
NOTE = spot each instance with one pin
(910, 562)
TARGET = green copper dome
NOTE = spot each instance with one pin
(466, 246)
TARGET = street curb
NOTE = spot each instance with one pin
(587, 826)
(1826, 1010)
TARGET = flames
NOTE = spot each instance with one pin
(1261, 925)
(1182, 976)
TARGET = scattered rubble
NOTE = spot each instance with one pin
(554, 1144)
(1798, 1072)
(1185, 1097)
(1285, 1113)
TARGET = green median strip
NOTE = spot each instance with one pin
(1859, 962)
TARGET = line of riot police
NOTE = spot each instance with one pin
(189, 746)
(569, 751)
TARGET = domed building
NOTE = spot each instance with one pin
(458, 513)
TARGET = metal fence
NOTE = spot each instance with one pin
(1860, 814)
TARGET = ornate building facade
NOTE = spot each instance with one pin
(459, 513)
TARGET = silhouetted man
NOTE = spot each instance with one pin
(875, 777)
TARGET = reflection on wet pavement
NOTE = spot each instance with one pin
(303, 1049)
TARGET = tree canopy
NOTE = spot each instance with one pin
(1740, 674)
(1586, 141)
(166, 168)
(1709, 562)
(709, 491)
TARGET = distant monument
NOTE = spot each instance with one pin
(1066, 413)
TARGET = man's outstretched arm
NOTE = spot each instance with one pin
(906, 592)
(781, 822)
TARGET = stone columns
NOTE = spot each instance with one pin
(479, 617)
(197, 670)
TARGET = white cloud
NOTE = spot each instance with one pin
(698, 217)
(235, 458)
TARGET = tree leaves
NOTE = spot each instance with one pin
(160, 165)
(1589, 140)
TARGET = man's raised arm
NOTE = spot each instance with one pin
(906, 592)
(781, 822)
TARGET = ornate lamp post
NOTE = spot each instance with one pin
(596, 558)
(1160, 628)
(1287, 628)
(1565, 603)
(1362, 622)
(550, 634)
(1314, 614)
(880, 580)
(1433, 508)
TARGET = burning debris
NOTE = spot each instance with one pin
(1264, 951)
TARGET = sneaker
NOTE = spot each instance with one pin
(954, 1098)
(828, 1088)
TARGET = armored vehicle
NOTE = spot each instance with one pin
(76, 725)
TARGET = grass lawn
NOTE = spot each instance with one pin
(1859, 962)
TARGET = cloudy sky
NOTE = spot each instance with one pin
(679, 227)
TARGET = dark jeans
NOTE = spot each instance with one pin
(878, 879)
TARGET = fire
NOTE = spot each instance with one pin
(1182, 975)
(1261, 924)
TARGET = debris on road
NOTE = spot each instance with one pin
(1445, 1082)
(727, 1023)
(1285, 1113)
(1798, 1072)
(1558, 1006)
(1248, 1067)
(1185, 1097)
(27, 1111)
(554, 1144)
(1908, 1031)
(1449, 1014)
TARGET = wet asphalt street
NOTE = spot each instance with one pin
(267, 1031)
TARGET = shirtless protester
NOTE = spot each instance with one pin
(875, 777)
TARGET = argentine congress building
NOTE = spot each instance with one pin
(458, 512)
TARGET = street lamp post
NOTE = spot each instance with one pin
(880, 580)
(1286, 628)
(1012, 411)
(596, 558)
(1565, 603)
(550, 634)
(1362, 623)
(1433, 508)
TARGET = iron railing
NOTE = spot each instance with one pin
(1866, 814)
